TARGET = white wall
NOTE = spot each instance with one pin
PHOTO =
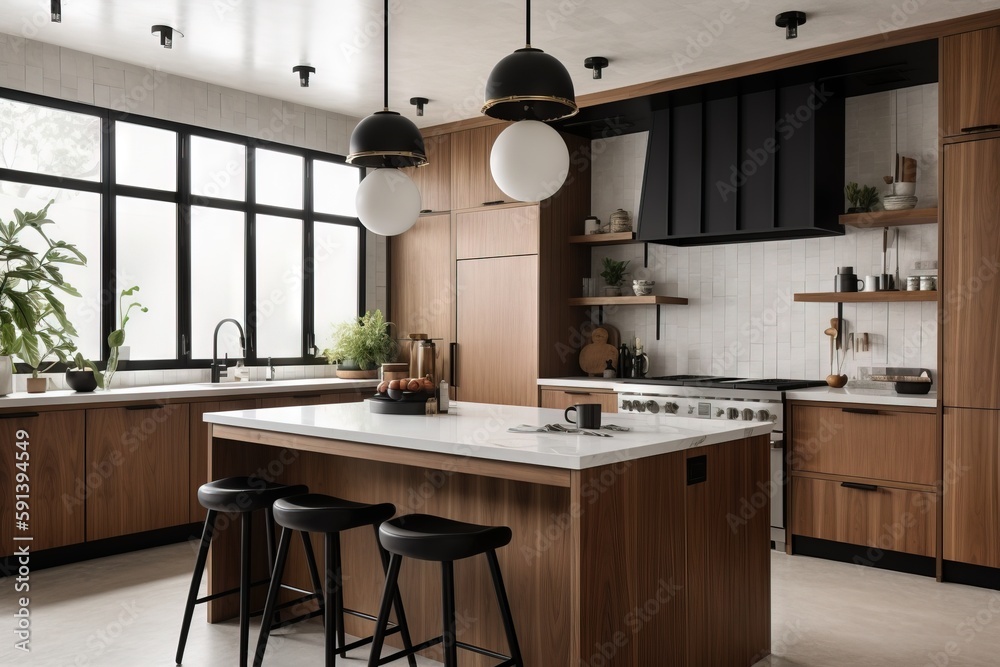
(741, 319)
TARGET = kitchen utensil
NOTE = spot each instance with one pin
(385, 405)
(871, 284)
(394, 371)
(643, 287)
(895, 247)
(588, 415)
(864, 342)
(640, 362)
(886, 283)
(594, 356)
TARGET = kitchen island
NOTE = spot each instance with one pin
(650, 547)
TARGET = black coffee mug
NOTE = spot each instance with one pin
(847, 282)
(588, 415)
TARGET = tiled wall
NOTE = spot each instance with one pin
(45, 69)
(741, 318)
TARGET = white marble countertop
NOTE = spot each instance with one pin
(480, 431)
(863, 396)
(579, 383)
(173, 391)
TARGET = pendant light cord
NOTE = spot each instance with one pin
(385, 56)
(527, 23)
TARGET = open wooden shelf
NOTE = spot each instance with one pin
(865, 297)
(619, 238)
(650, 300)
(911, 216)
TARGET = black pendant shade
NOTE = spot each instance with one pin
(529, 84)
(386, 139)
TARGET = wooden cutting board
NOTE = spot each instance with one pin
(594, 357)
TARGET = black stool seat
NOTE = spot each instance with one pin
(436, 538)
(319, 513)
(244, 494)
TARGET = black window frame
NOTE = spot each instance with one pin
(184, 200)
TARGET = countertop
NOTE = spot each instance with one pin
(173, 391)
(579, 382)
(863, 396)
(479, 430)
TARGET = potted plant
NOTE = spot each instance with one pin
(614, 276)
(361, 345)
(116, 338)
(33, 323)
(84, 376)
(862, 199)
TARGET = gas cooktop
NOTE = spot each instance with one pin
(719, 382)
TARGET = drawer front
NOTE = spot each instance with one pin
(497, 232)
(563, 398)
(865, 442)
(882, 517)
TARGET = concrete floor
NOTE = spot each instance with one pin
(125, 611)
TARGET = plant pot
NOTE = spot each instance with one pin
(37, 385)
(6, 375)
(612, 291)
(349, 370)
(858, 209)
(81, 381)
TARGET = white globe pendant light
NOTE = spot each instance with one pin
(529, 161)
(388, 202)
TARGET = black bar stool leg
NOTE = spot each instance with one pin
(317, 583)
(397, 603)
(207, 534)
(269, 527)
(272, 595)
(448, 609)
(388, 594)
(508, 619)
(246, 525)
(333, 616)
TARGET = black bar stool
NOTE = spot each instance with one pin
(243, 495)
(318, 513)
(435, 538)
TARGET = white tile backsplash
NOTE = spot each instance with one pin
(741, 318)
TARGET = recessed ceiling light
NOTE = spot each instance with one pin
(304, 71)
(166, 35)
(790, 21)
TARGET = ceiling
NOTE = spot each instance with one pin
(444, 49)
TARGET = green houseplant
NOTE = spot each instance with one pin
(361, 345)
(116, 338)
(614, 275)
(862, 199)
(33, 322)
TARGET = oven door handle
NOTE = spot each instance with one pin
(777, 440)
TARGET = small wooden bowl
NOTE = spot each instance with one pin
(836, 381)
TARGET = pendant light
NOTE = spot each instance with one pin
(529, 160)
(386, 139)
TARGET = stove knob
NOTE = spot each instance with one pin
(671, 408)
(732, 413)
(652, 406)
(747, 415)
(690, 409)
(640, 406)
(719, 412)
(764, 415)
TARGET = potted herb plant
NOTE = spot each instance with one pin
(83, 376)
(116, 338)
(862, 199)
(33, 322)
(361, 345)
(614, 276)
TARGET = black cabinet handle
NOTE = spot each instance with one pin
(494, 203)
(578, 393)
(861, 411)
(19, 415)
(152, 406)
(981, 128)
(454, 365)
(859, 487)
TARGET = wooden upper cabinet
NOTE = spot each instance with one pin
(497, 232)
(472, 185)
(434, 179)
(57, 487)
(971, 307)
(144, 449)
(972, 486)
(970, 82)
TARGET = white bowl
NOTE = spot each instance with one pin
(905, 189)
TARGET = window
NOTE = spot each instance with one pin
(172, 211)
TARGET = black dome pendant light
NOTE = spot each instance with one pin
(386, 139)
(529, 84)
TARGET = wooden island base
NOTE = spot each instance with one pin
(625, 564)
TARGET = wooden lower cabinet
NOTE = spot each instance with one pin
(198, 445)
(56, 486)
(972, 486)
(144, 449)
(563, 398)
(880, 517)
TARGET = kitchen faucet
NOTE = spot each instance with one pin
(218, 367)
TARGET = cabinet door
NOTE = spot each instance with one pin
(970, 82)
(198, 443)
(56, 482)
(434, 179)
(145, 450)
(972, 486)
(470, 164)
(422, 285)
(971, 346)
(561, 399)
(494, 194)
(497, 330)
(495, 232)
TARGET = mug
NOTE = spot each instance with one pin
(847, 282)
(588, 415)
(871, 284)
(887, 281)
